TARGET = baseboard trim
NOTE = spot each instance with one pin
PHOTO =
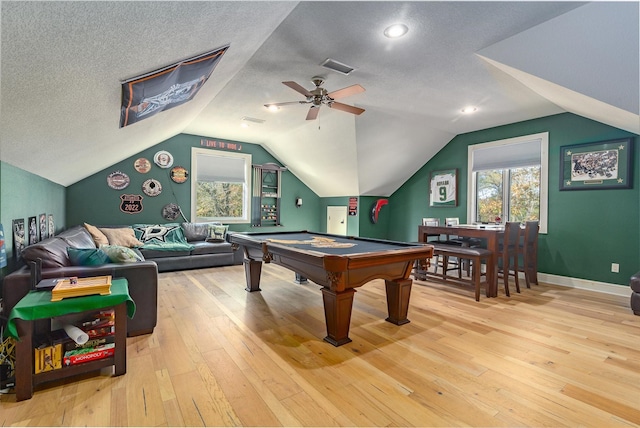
(585, 284)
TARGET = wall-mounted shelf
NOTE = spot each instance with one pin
(266, 195)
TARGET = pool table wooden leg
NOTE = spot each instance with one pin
(398, 293)
(252, 271)
(337, 313)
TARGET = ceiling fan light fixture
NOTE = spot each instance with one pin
(272, 108)
(396, 30)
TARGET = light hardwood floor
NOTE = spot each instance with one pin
(220, 356)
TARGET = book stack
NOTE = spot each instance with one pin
(56, 349)
(76, 287)
(101, 344)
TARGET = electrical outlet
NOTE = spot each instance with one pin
(615, 267)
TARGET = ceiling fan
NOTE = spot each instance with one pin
(319, 96)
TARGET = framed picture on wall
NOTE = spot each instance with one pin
(601, 165)
(18, 237)
(44, 230)
(33, 229)
(443, 188)
(52, 226)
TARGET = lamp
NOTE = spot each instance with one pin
(298, 202)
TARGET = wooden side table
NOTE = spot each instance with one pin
(37, 305)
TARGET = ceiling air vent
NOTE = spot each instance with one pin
(252, 119)
(334, 65)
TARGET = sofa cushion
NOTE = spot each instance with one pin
(52, 251)
(124, 237)
(195, 231)
(151, 254)
(211, 248)
(162, 237)
(98, 237)
(77, 237)
(87, 256)
(120, 254)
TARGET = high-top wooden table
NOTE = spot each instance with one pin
(488, 232)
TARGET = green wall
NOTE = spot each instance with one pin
(93, 201)
(24, 195)
(587, 229)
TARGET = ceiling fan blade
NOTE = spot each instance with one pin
(284, 104)
(345, 92)
(298, 88)
(344, 107)
(313, 113)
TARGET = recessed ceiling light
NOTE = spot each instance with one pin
(272, 107)
(396, 30)
(244, 125)
(468, 110)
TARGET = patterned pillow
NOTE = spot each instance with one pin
(163, 237)
(119, 254)
(217, 232)
(87, 256)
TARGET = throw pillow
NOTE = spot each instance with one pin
(98, 237)
(163, 237)
(125, 237)
(119, 254)
(217, 232)
(87, 256)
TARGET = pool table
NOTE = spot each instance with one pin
(339, 264)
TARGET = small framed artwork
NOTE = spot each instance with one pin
(52, 226)
(601, 165)
(44, 230)
(443, 189)
(18, 237)
(34, 232)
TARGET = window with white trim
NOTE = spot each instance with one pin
(508, 180)
(220, 186)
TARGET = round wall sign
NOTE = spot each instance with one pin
(170, 211)
(163, 159)
(179, 174)
(118, 180)
(142, 165)
(152, 187)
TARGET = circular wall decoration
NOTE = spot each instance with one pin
(163, 159)
(142, 165)
(179, 174)
(152, 187)
(118, 180)
(170, 211)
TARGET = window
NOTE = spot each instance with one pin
(509, 180)
(220, 186)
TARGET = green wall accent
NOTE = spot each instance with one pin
(25, 195)
(587, 229)
(93, 201)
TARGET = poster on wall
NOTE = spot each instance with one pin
(33, 230)
(18, 237)
(52, 226)
(44, 230)
(148, 94)
(353, 206)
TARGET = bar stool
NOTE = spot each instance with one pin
(529, 251)
(508, 254)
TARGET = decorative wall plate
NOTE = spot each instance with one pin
(163, 159)
(118, 180)
(179, 174)
(142, 165)
(152, 187)
(170, 211)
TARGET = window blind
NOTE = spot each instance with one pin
(505, 156)
(220, 168)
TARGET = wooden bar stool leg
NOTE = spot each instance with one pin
(476, 276)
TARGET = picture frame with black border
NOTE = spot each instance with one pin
(597, 166)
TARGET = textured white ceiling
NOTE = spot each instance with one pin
(62, 63)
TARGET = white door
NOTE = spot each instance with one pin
(337, 220)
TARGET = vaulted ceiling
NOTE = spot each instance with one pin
(62, 64)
